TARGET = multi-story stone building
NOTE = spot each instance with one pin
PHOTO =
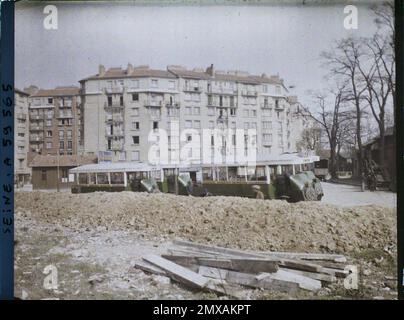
(22, 172)
(122, 107)
(55, 122)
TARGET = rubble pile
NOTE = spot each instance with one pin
(226, 221)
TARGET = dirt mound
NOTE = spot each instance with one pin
(226, 221)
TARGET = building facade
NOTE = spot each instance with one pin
(55, 122)
(22, 172)
(124, 110)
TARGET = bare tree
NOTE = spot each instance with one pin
(330, 119)
(378, 85)
(311, 139)
(344, 62)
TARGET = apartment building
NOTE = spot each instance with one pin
(123, 107)
(22, 172)
(55, 122)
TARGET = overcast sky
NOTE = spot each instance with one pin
(271, 39)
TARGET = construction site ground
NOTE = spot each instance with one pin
(94, 240)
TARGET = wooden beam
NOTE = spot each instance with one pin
(249, 280)
(317, 276)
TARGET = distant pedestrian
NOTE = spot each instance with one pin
(258, 193)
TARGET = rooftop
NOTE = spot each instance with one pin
(58, 91)
(175, 71)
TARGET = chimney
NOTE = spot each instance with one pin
(101, 70)
(130, 69)
(31, 90)
(210, 70)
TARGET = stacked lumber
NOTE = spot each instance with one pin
(223, 270)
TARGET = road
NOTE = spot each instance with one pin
(347, 195)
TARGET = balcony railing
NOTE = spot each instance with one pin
(222, 91)
(116, 133)
(65, 115)
(192, 89)
(36, 138)
(249, 93)
(153, 103)
(114, 89)
(21, 116)
(36, 127)
(114, 105)
(114, 119)
(266, 105)
(36, 117)
(172, 104)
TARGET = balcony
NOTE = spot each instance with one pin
(222, 91)
(114, 89)
(65, 115)
(266, 106)
(117, 146)
(21, 116)
(65, 104)
(279, 106)
(249, 93)
(114, 119)
(153, 103)
(33, 127)
(34, 138)
(36, 117)
(115, 134)
(172, 104)
(113, 106)
(192, 89)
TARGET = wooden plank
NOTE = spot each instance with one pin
(317, 276)
(335, 272)
(300, 265)
(308, 256)
(243, 265)
(289, 263)
(303, 282)
(149, 268)
(249, 280)
(177, 272)
(287, 255)
(250, 265)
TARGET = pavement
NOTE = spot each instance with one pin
(348, 195)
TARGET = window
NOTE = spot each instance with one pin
(246, 113)
(188, 124)
(189, 137)
(232, 111)
(61, 134)
(50, 100)
(135, 83)
(69, 134)
(254, 113)
(246, 125)
(135, 139)
(155, 125)
(276, 103)
(231, 101)
(211, 124)
(135, 112)
(135, 125)
(267, 125)
(171, 84)
(69, 145)
(264, 88)
(109, 101)
(253, 125)
(61, 144)
(211, 111)
(135, 155)
(135, 97)
(43, 175)
(197, 124)
(197, 111)
(121, 100)
(188, 110)
(233, 125)
(21, 134)
(48, 123)
(49, 145)
(49, 134)
(267, 137)
(109, 144)
(154, 83)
